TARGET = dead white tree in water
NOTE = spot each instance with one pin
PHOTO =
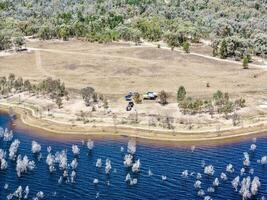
(131, 147)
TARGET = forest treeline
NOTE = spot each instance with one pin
(237, 28)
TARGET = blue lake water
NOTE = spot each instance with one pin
(161, 160)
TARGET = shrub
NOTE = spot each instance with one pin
(223, 50)
(19, 42)
(5, 41)
(240, 103)
(245, 62)
(186, 46)
(181, 94)
(163, 96)
(137, 98)
(172, 40)
(87, 95)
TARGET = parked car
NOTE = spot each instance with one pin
(130, 95)
(150, 96)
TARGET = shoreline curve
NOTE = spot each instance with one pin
(27, 118)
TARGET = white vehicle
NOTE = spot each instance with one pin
(150, 96)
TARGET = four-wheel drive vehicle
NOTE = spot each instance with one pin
(150, 96)
(146, 96)
(130, 95)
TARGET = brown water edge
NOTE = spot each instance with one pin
(154, 143)
(18, 125)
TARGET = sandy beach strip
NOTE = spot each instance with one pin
(26, 117)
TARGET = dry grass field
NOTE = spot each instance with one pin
(115, 69)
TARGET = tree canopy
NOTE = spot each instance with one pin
(237, 26)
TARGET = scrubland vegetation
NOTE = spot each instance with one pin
(219, 103)
(236, 28)
(54, 89)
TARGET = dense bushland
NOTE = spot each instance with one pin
(237, 28)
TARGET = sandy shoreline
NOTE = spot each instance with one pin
(26, 118)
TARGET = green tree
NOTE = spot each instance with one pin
(87, 95)
(11, 79)
(186, 46)
(172, 40)
(245, 62)
(18, 84)
(19, 42)
(227, 108)
(5, 41)
(3, 80)
(150, 28)
(64, 32)
(181, 94)
(220, 98)
(223, 50)
(218, 95)
(46, 32)
(27, 85)
(129, 34)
